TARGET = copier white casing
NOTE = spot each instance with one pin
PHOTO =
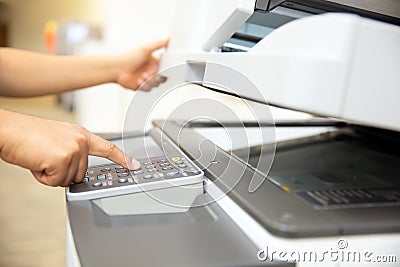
(336, 65)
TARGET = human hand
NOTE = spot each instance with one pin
(55, 152)
(138, 65)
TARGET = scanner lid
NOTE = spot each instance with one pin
(271, 14)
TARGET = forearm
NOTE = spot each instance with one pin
(7, 127)
(25, 73)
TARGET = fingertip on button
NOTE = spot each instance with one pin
(133, 164)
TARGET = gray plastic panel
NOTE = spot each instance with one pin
(203, 236)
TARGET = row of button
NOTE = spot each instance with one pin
(125, 180)
(158, 161)
(107, 169)
(122, 172)
(120, 180)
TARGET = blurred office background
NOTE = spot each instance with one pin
(32, 216)
(88, 27)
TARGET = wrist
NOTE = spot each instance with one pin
(6, 127)
(117, 63)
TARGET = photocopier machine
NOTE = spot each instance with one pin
(219, 188)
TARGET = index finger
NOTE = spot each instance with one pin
(157, 45)
(104, 148)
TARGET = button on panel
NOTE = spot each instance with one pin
(167, 168)
(172, 173)
(122, 180)
(148, 176)
(101, 177)
(97, 184)
(176, 159)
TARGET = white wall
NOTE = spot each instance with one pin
(127, 23)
